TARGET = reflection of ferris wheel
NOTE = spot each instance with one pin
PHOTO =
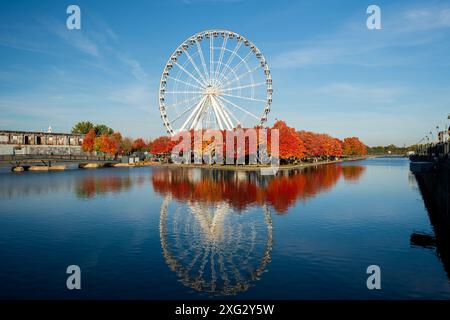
(215, 79)
(214, 250)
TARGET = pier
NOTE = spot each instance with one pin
(20, 163)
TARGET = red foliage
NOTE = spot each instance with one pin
(353, 146)
(162, 145)
(139, 145)
(88, 141)
(108, 144)
(291, 146)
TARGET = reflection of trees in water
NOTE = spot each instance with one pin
(83, 184)
(241, 189)
(211, 248)
(352, 173)
(435, 190)
(89, 186)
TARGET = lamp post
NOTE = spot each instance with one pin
(448, 128)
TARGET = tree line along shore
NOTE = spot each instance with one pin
(295, 147)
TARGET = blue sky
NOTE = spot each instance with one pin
(330, 73)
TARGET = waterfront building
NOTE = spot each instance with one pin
(36, 142)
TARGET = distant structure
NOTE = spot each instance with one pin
(34, 142)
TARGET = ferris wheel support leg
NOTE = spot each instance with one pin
(201, 110)
(217, 113)
(224, 114)
(194, 113)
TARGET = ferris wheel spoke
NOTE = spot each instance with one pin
(184, 82)
(245, 98)
(238, 107)
(188, 73)
(243, 60)
(184, 112)
(230, 59)
(253, 85)
(186, 101)
(202, 58)
(241, 76)
(205, 82)
(211, 56)
(228, 111)
(219, 61)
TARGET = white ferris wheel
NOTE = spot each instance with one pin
(215, 79)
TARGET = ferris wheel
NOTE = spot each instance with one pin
(215, 79)
(213, 249)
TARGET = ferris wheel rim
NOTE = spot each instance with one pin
(203, 80)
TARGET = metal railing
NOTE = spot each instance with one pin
(434, 150)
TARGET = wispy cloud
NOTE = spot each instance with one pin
(135, 67)
(426, 18)
(75, 38)
(135, 96)
(368, 93)
(354, 44)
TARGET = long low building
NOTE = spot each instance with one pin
(34, 142)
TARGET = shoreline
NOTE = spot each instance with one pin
(248, 168)
(245, 167)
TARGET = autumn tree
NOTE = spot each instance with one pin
(126, 146)
(88, 141)
(106, 144)
(290, 145)
(161, 145)
(353, 147)
(139, 145)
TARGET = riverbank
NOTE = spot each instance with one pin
(250, 167)
(93, 166)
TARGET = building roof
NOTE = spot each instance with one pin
(42, 133)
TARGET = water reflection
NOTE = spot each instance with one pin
(90, 186)
(435, 191)
(216, 227)
(242, 189)
(213, 250)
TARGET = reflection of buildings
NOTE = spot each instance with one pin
(435, 190)
(241, 189)
(213, 249)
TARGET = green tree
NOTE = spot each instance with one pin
(101, 129)
(82, 127)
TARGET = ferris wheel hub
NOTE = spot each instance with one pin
(211, 90)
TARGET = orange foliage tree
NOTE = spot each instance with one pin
(291, 146)
(353, 147)
(139, 145)
(88, 141)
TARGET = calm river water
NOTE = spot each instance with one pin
(159, 233)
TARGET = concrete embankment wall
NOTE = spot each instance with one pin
(435, 189)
